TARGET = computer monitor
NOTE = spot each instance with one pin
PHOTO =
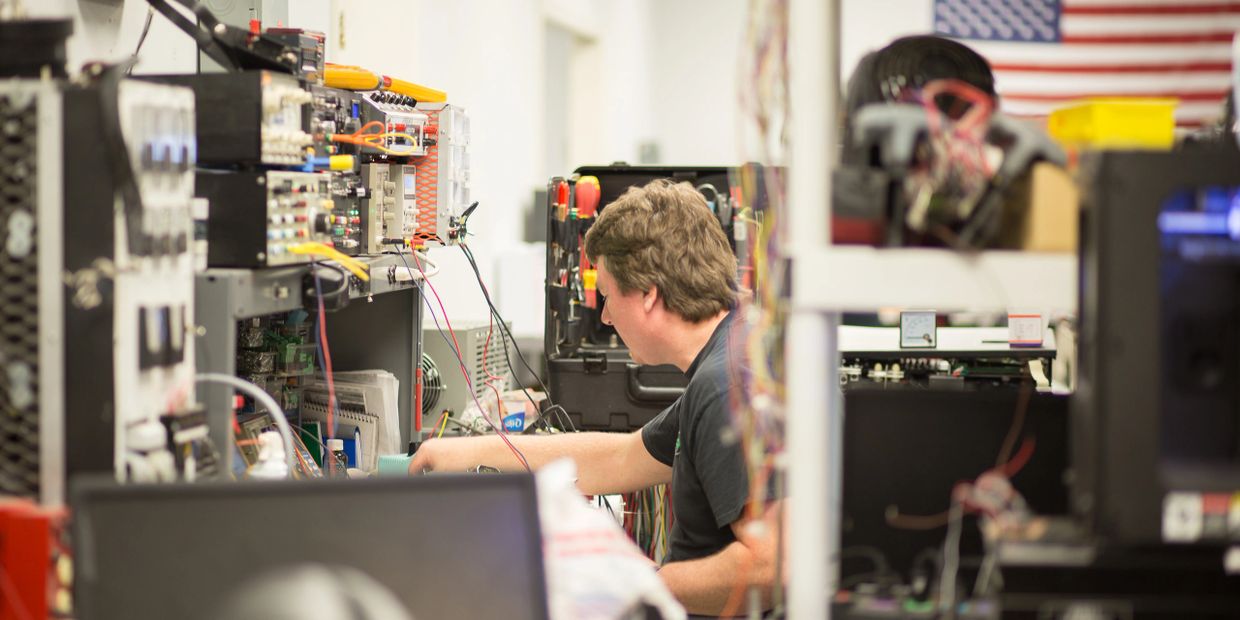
(442, 546)
(1156, 414)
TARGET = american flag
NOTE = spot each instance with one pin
(1047, 52)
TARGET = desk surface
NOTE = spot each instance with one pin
(882, 342)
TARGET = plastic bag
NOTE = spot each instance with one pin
(514, 412)
(594, 571)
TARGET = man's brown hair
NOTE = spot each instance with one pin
(664, 235)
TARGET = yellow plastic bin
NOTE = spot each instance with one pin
(1120, 122)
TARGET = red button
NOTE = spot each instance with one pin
(301, 232)
(300, 217)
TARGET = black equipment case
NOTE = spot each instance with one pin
(590, 372)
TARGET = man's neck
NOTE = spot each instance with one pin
(692, 340)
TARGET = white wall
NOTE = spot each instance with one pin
(108, 31)
(695, 49)
(694, 75)
(867, 25)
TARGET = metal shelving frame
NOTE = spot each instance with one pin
(381, 327)
(828, 280)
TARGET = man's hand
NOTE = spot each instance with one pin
(707, 585)
(761, 536)
(424, 459)
(606, 462)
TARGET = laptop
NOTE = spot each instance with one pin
(421, 548)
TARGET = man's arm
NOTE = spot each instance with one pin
(606, 462)
(704, 585)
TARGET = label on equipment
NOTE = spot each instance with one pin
(1025, 330)
(1182, 517)
(1214, 508)
(514, 423)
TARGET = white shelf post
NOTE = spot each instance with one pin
(814, 411)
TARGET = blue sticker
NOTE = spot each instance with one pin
(514, 423)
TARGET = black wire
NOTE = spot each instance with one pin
(561, 414)
(469, 255)
(503, 328)
(200, 33)
(121, 167)
(421, 293)
(146, 28)
(451, 347)
(340, 290)
(508, 358)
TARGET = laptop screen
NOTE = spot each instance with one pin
(444, 546)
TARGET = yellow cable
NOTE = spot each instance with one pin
(350, 78)
(356, 78)
(417, 91)
(345, 260)
(356, 267)
(369, 139)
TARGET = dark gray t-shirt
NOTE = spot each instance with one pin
(694, 437)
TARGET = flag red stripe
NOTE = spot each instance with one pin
(1217, 95)
(1204, 37)
(1188, 67)
(1156, 9)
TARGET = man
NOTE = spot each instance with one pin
(668, 278)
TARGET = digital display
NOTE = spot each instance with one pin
(410, 182)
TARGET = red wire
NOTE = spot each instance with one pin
(486, 346)
(486, 366)
(498, 430)
(1022, 457)
(417, 401)
(331, 384)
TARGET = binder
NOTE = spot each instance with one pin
(352, 415)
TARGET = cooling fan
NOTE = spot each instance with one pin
(432, 385)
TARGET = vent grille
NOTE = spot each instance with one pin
(19, 295)
(493, 361)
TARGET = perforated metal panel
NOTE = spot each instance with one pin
(19, 296)
(472, 338)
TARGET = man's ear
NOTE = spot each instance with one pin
(650, 297)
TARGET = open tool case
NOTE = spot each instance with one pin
(590, 371)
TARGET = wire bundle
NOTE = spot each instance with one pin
(456, 348)
(376, 139)
(314, 248)
(756, 336)
(755, 341)
(953, 174)
(648, 520)
(561, 415)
